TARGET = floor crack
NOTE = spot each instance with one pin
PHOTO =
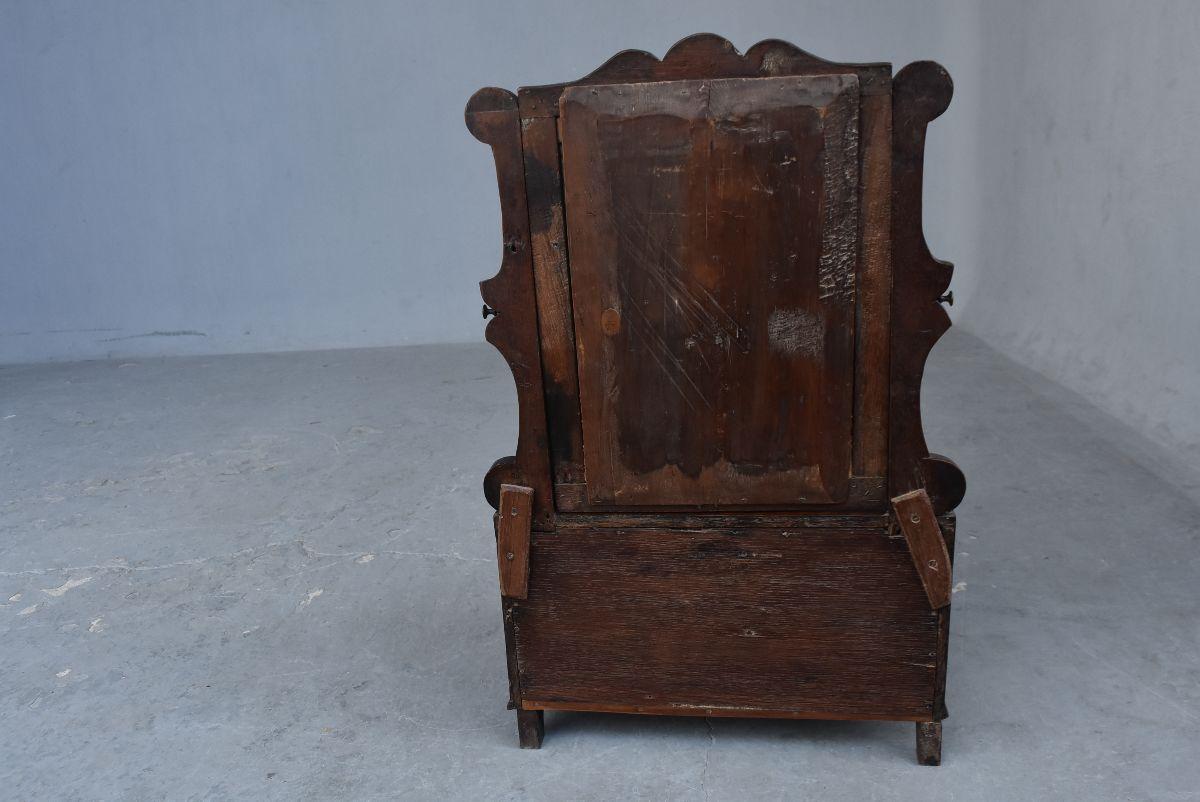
(121, 565)
(707, 757)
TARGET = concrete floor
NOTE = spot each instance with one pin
(272, 577)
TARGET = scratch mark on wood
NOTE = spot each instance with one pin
(652, 255)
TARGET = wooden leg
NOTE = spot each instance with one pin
(929, 743)
(531, 728)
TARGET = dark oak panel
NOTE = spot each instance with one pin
(713, 229)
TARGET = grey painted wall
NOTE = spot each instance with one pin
(1086, 244)
(218, 175)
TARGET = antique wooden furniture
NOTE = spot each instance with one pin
(717, 301)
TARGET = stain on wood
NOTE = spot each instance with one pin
(713, 235)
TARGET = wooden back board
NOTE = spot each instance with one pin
(715, 294)
(712, 229)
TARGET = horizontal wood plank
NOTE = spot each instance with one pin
(713, 234)
(831, 623)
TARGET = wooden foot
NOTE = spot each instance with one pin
(929, 743)
(531, 728)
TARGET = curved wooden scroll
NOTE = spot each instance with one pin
(705, 55)
(492, 117)
(920, 93)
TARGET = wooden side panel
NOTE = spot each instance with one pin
(714, 244)
(512, 539)
(547, 228)
(826, 623)
(491, 116)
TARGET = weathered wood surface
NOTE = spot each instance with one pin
(512, 539)
(918, 522)
(831, 622)
(929, 743)
(874, 290)
(531, 728)
(706, 55)
(714, 240)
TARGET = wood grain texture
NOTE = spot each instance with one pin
(713, 230)
(512, 539)
(833, 623)
(918, 522)
(710, 56)
(491, 116)
(874, 297)
(552, 278)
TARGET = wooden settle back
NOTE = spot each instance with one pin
(715, 292)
